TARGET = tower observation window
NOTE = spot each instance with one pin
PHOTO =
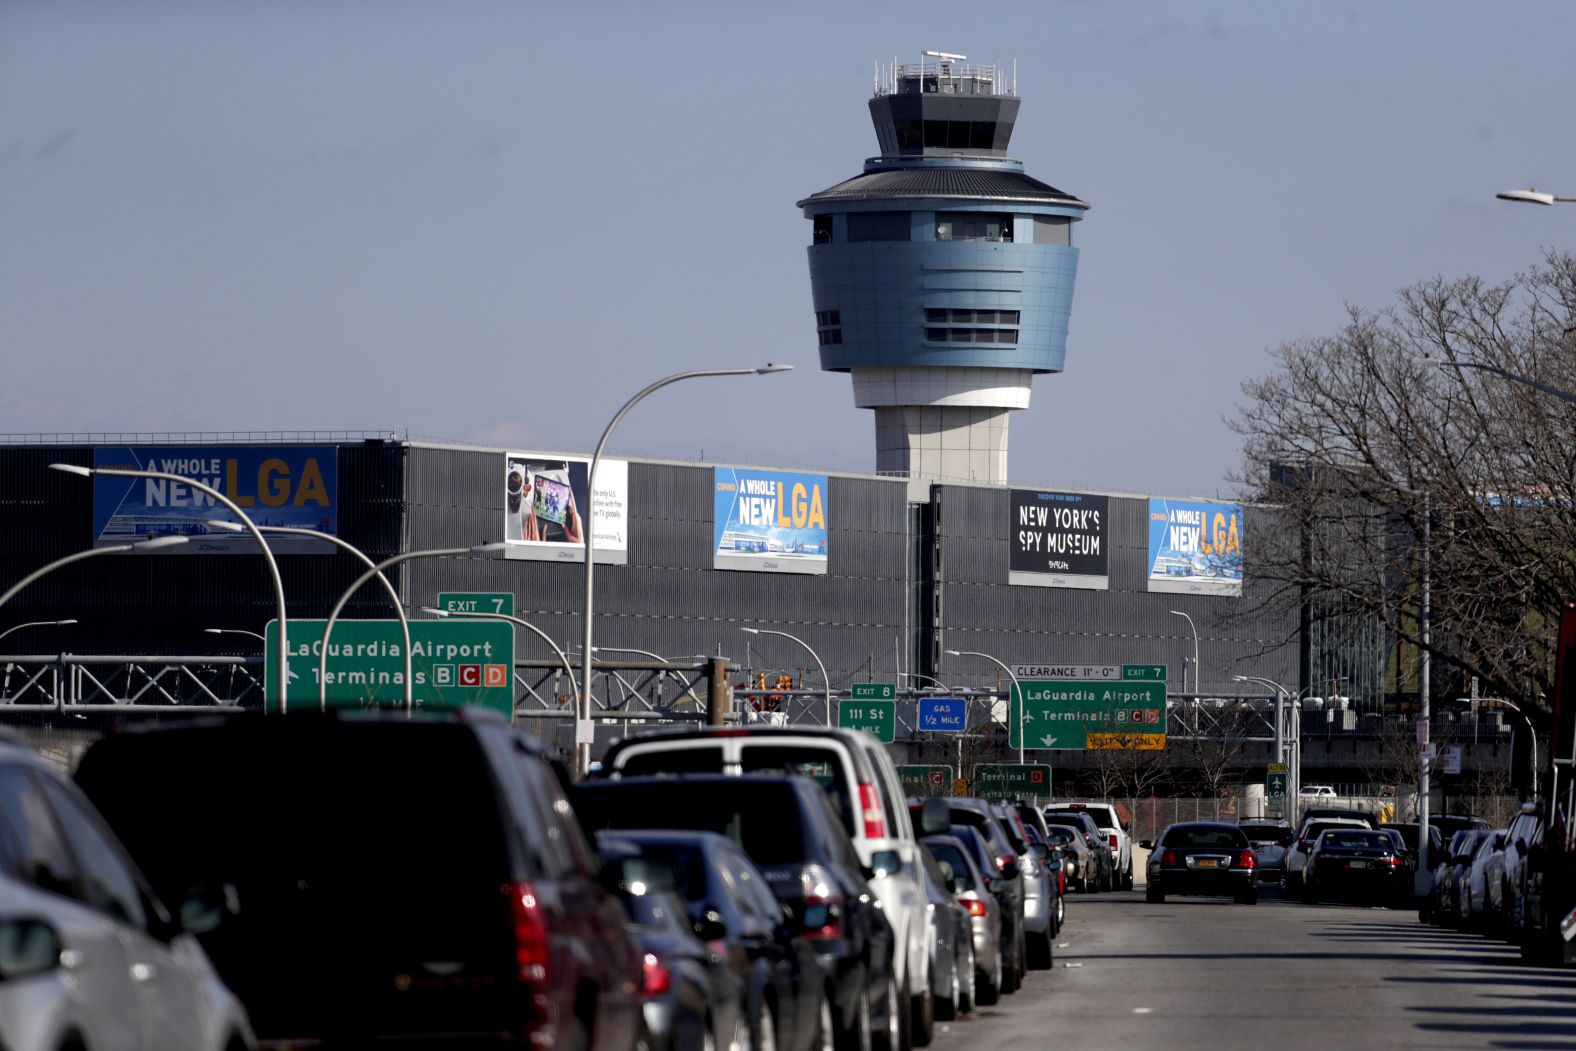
(827, 324)
(973, 226)
(823, 229)
(971, 335)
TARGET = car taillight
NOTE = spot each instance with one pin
(1061, 882)
(974, 907)
(532, 952)
(1003, 860)
(1246, 860)
(1390, 859)
(655, 978)
(1168, 859)
(1114, 844)
(823, 903)
(875, 824)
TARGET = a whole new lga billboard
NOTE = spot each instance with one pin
(1058, 540)
(769, 521)
(274, 485)
(1195, 547)
(548, 505)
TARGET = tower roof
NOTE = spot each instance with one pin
(983, 184)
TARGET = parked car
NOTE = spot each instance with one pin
(1051, 859)
(1297, 853)
(692, 1000)
(999, 887)
(971, 888)
(1450, 824)
(952, 956)
(1007, 879)
(1452, 882)
(1270, 840)
(1408, 831)
(1110, 826)
(1102, 872)
(1326, 813)
(1202, 857)
(1077, 859)
(867, 793)
(1316, 792)
(81, 932)
(733, 910)
(380, 876)
(1358, 863)
(1524, 834)
(790, 830)
(1039, 893)
(1475, 898)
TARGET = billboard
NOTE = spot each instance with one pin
(769, 521)
(1058, 540)
(547, 506)
(275, 485)
(1195, 547)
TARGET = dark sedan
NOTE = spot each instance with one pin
(1203, 858)
(789, 829)
(731, 907)
(1356, 863)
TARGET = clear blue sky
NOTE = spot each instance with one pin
(493, 222)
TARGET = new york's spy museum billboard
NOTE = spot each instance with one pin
(1195, 547)
(769, 521)
(275, 485)
(1058, 540)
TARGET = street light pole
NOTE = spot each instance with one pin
(1422, 881)
(1280, 702)
(1450, 363)
(377, 570)
(1016, 692)
(361, 556)
(826, 683)
(1198, 678)
(34, 624)
(527, 625)
(235, 509)
(153, 544)
(583, 730)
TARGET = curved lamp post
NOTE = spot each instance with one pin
(235, 509)
(234, 631)
(583, 712)
(1532, 196)
(1017, 691)
(361, 556)
(377, 570)
(574, 690)
(1198, 680)
(34, 624)
(826, 684)
(1447, 363)
(153, 544)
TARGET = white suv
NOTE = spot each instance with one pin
(857, 773)
(1116, 837)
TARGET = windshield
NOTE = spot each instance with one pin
(1358, 840)
(948, 854)
(1203, 836)
(760, 816)
(822, 765)
(1264, 833)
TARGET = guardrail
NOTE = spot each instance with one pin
(128, 683)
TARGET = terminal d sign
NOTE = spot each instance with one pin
(1058, 714)
(453, 663)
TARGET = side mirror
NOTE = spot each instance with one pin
(27, 947)
(885, 863)
(935, 817)
(1053, 865)
(1145, 844)
(709, 926)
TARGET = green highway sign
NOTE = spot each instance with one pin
(1089, 714)
(874, 717)
(873, 691)
(460, 603)
(453, 663)
(1149, 672)
(1275, 786)
(1009, 781)
(926, 780)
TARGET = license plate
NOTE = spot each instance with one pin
(1209, 863)
(1357, 864)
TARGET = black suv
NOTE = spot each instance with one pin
(788, 827)
(380, 877)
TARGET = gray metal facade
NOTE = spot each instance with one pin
(976, 609)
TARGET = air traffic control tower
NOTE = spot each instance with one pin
(942, 274)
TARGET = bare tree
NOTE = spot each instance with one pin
(1212, 752)
(1360, 445)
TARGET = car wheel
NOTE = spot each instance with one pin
(708, 1039)
(968, 978)
(854, 1034)
(1154, 895)
(765, 1030)
(922, 1016)
(1009, 974)
(1248, 897)
(1061, 912)
(987, 987)
(890, 1038)
(1040, 952)
(740, 1040)
(1310, 893)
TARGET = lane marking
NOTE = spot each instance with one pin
(1142, 1010)
(1072, 965)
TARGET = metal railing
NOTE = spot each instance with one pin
(128, 683)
